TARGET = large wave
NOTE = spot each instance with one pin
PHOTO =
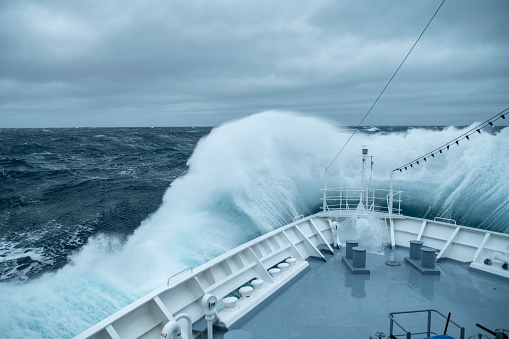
(245, 178)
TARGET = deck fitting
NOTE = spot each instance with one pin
(357, 264)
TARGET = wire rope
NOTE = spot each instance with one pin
(387, 85)
(456, 141)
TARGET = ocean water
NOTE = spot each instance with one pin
(93, 218)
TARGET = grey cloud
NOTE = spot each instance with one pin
(166, 62)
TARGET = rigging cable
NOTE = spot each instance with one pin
(387, 85)
(446, 146)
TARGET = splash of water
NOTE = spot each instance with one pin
(466, 183)
(372, 231)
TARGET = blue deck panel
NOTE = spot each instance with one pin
(331, 302)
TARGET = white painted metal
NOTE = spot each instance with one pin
(449, 241)
(321, 236)
(178, 273)
(344, 200)
(363, 175)
(226, 273)
(189, 323)
(421, 231)
(171, 330)
(481, 246)
(111, 331)
(391, 193)
(465, 244)
(335, 228)
(393, 234)
(146, 317)
(316, 250)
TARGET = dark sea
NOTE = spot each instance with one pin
(93, 218)
(61, 186)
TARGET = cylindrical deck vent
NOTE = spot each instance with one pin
(349, 245)
(359, 257)
(415, 249)
(428, 256)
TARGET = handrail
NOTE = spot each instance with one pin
(185, 269)
(450, 221)
(346, 199)
(428, 329)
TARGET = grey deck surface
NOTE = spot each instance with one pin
(330, 302)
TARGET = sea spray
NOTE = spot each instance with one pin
(466, 183)
(369, 231)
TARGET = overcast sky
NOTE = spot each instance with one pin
(194, 63)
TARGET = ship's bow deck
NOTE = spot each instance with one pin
(331, 302)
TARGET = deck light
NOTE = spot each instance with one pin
(457, 142)
(400, 170)
(447, 146)
(411, 165)
(424, 159)
(491, 124)
(405, 168)
(440, 151)
(478, 131)
(417, 162)
(502, 116)
(434, 155)
(467, 137)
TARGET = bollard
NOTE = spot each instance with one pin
(359, 257)
(246, 291)
(349, 245)
(257, 284)
(415, 249)
(275, 273)
(428, 256)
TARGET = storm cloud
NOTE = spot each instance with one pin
(191, 63)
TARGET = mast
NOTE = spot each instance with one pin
(364, 157)
(363, 174)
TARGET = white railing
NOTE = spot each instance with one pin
(361, 200)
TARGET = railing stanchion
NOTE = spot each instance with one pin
(324, 199)
(391, 197)
(429, 324)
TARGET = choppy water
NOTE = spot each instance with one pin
(61, 186)
(91, 219)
